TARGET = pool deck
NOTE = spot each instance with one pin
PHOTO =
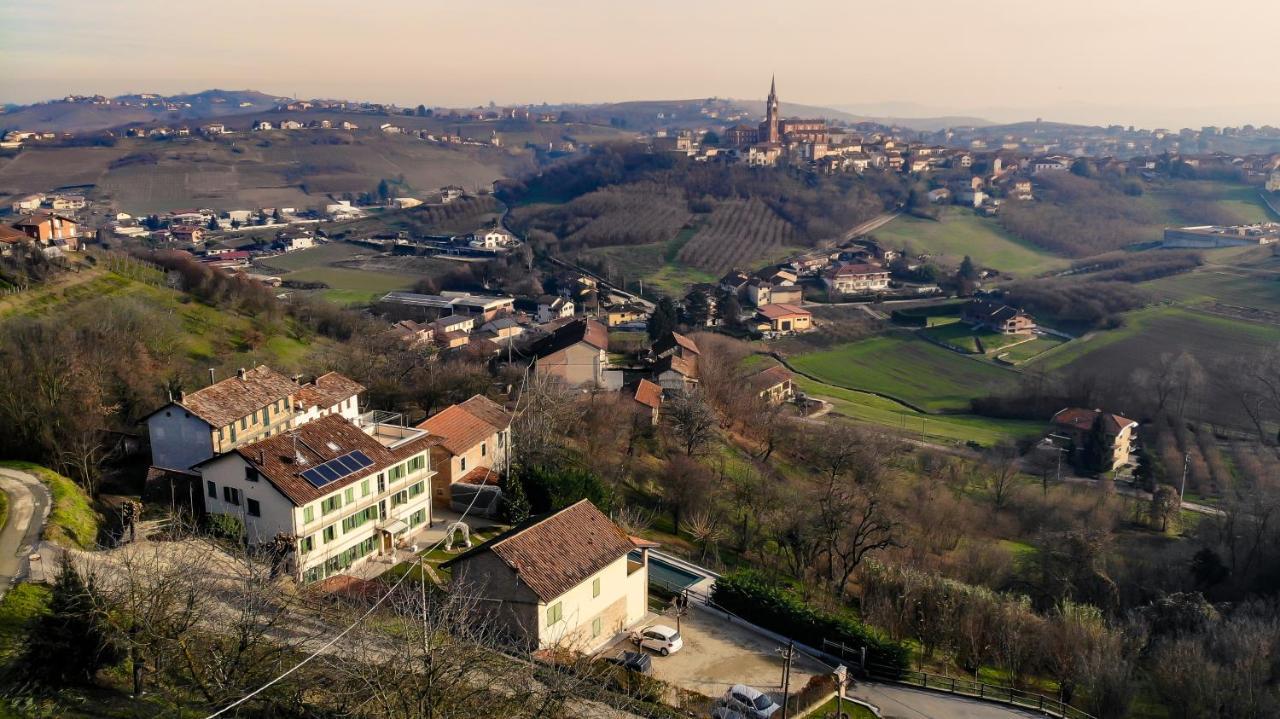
(707, 577)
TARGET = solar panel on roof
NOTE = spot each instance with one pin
(328, 472)
(347, 463)
(362, 458)
(315, 479)
(337, 468)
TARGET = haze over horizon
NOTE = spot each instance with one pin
(1130, 62)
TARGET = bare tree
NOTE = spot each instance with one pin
(1000, 470)
(692, 421)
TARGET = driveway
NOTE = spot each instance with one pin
(904, 703)
(28, 510)
(717, 655)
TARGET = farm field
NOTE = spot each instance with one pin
(1026, 351)
(960, 232)
(354, 274)
(739, 233)
(654, 263)
(1150, 332)
(907, 368)
(245, 171)
(866, 408)
(1242, 283)
(1239, 202)
(966, 337)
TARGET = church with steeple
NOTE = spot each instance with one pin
(777, 133)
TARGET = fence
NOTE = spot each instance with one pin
(979, 690)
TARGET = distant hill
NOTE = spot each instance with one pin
(84, 116)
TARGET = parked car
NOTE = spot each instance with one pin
(658, 638)
(635, 661)
(749, 702)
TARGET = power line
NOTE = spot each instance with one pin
(383, 598)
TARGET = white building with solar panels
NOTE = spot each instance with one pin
(344, 490)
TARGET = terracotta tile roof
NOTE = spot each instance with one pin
(685, 366)
(1115, 424)
(555, 553)
(577, 331)
(481, 475)
(224, 402)
(779, 311)
(328, 390)
(11, 236)
(675, 339)
(768, 378)
(467, 424)
(856, 269)
(1080, 419)
(649, 394)
(276, 461)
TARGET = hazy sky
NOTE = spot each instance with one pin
(1144, 62)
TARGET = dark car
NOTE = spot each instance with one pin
(635, 661)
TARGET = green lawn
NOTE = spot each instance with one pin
(345, 278)
(318, 256)
(849, 709)
(961, 232)
(20, 605)
(1026, 351)
(73, 522)
(907, 368)
(655, 264)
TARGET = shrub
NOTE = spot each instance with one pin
(227, 526)
(760, 601)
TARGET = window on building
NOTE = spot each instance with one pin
(233, 433)
(254, 509)
(399, 498)
(308, 514)
(417, 463)
(502, 438)
(349, 495)
(595, 587)
(330, 533)
(332, 504)
(231, 495)
(555, 613)
(213, 488)
(417, 489)
(398, 472)
(463, 465)
(382, 483)
(221, 434)
(484, 449)
(596, 626)
(244, 423)
(250, 473)
(306, 544)
(364, 488)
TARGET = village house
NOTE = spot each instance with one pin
(27, 203)
(492, 239)
(547, 308)
(413, 333)
(576, 354)
(676, 374)
(648, 399)
(49, 228)
(295, 238)
(997, 317)
(856, 279)
(474, 442)
(761, 292)
(1083, 427)
(674, 343)
(11, 238)
(784, 318)
(622, 314)
(773, 384)
(188, 234)
(346, 492)
(250, 406)
(571, 579)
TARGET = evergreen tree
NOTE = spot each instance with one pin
(384, 190)
(967, 270)
(663, 321)
(69, 644)
(213, 225)
(515, 503)
(697, 308)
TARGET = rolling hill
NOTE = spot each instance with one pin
(82, 116)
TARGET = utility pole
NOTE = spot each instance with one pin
(787, 656)
(1182, 491)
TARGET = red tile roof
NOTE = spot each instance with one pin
(555, 553)
(649, 394)
(481, 475)
(860, 268)
(465, 425)
(328, 390)
(780, 311)
(276, 458)
(768, 378)
(1077, 418)
(224, 402)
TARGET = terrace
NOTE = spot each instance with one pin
(388, 428)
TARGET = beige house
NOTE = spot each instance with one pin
(474, 441)
(1117, 433)
(856, 278)
(571, 579)
(785, 318)
(772, 384)
(575, 354)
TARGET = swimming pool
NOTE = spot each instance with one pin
(668, 576)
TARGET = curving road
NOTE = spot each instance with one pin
(28, 509)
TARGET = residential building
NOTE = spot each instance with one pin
(575, 354)
(413, 333)
(189, 234)
(61, 203)
(552, 308)
(50, 228)
(250, 406)
(492, 239)
(784, 318)
(648, 398)
(674, 344)
(773, 384)
(677, 374)
(474, 445)
(1109, 436)
(856, 279)
(616, 315)
(571, 579)
(484, 307)
(346, 492)
(997, 317)
(27, 203)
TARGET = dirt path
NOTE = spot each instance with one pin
(28, 509)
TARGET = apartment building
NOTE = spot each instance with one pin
(347, 490)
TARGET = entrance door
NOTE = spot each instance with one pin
(386, 542)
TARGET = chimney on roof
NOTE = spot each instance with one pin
(211, 376)
(240, 373)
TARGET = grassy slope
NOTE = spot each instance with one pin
(863, 407)
(72, 520)
(656, 264)
(907, 368)
(20, 605)
(4, 509)
(960, 232)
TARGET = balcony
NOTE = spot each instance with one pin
(388, 428)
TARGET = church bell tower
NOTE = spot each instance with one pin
(770, 133)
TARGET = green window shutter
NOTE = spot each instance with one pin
(595, 587)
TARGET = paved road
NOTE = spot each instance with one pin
(904, 703)
(870, 225)
(28, 510)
